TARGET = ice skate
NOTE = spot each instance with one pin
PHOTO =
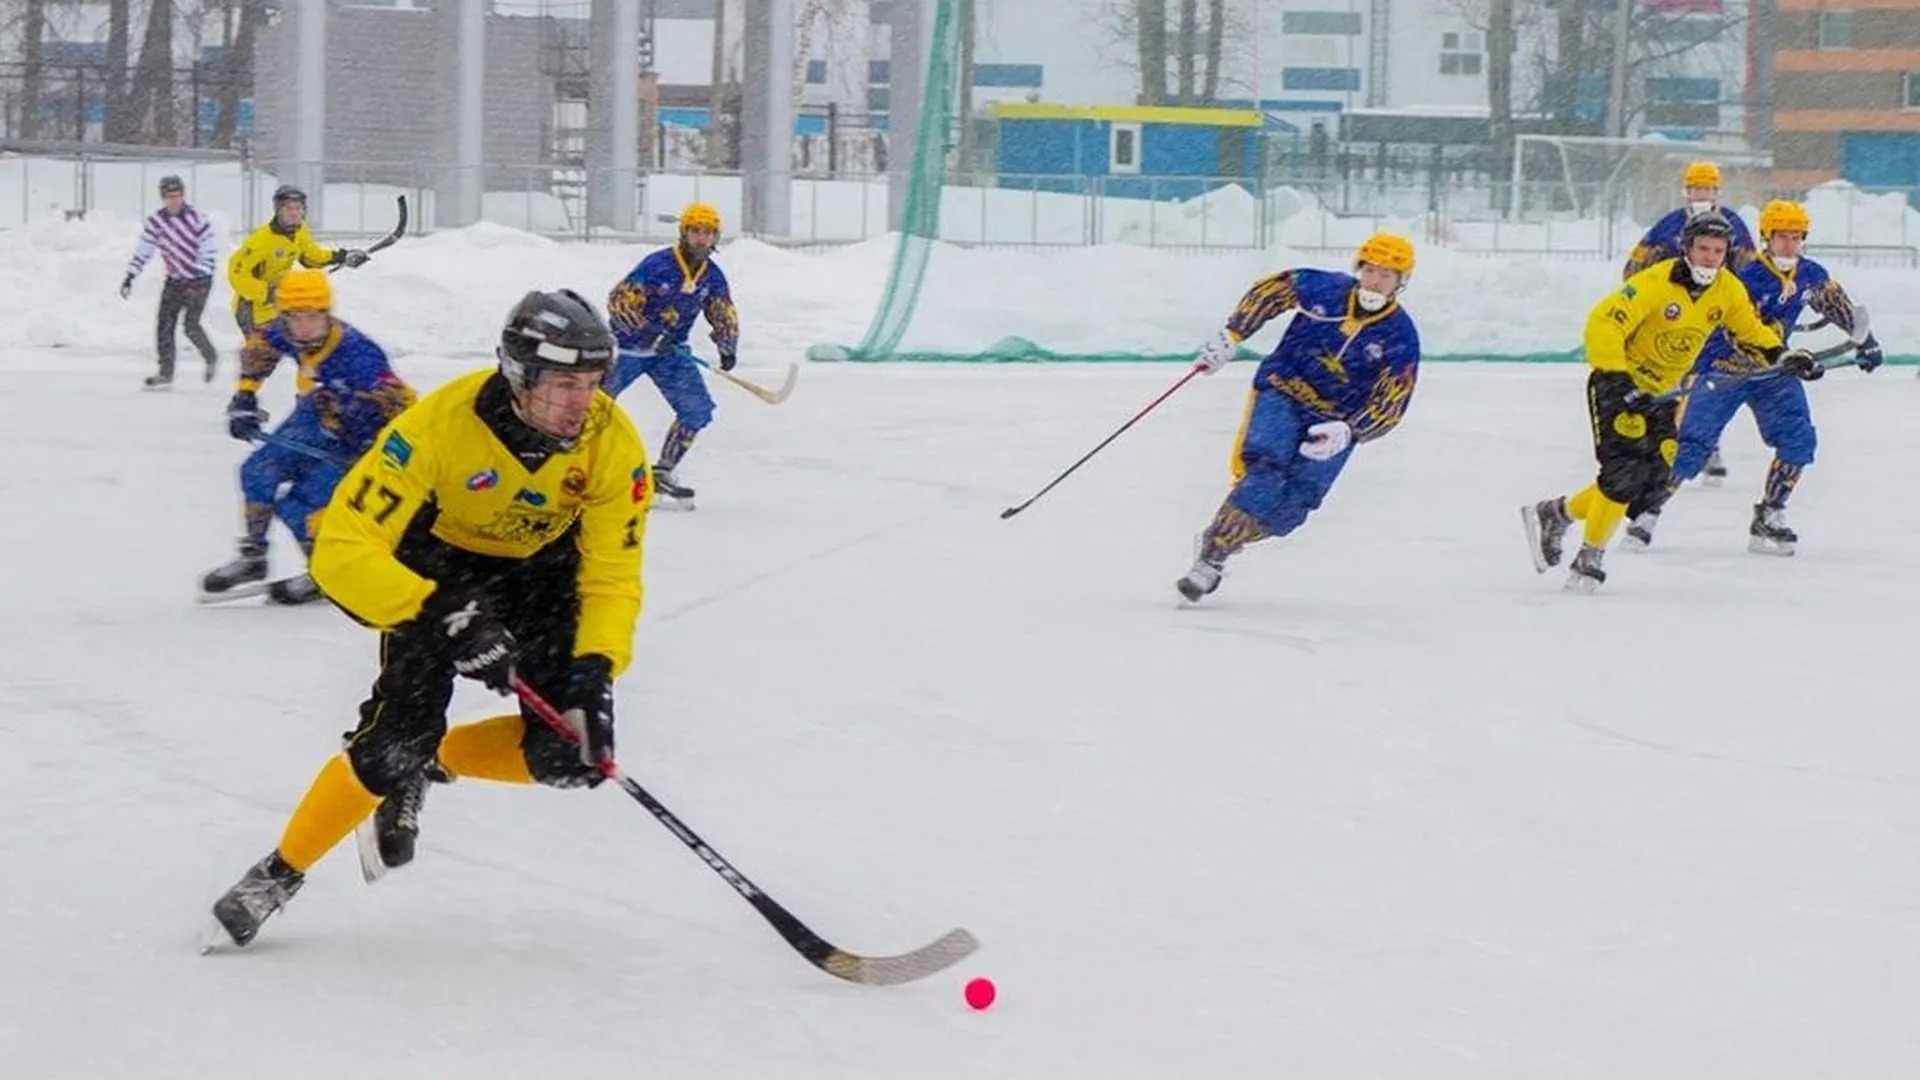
(157, 381)
(1201, 580)
(1547, 523)
(1584, 574)
(244, 575)
(1769, 533)
(1715, 473)
(1640, 531)
(264, 889)
(669, 493)
(298, 589)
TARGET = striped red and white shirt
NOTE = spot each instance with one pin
(185, 242)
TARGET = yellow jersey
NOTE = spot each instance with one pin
(1653, 326)
(262, 258)
(443, 473)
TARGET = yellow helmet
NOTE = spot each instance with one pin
(1781, 215)
(304, 289)
(700, 215)
(1387, 251)
(1701, 174)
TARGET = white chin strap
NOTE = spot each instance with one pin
(1698, 208)
(1703, 275)
(1370, 300)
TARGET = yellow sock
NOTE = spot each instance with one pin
(1579, 503)
(332, 806)
(1603, 516)
(487, 750)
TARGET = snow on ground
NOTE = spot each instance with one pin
(1388, 805)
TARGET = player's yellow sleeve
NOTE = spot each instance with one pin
(1614, 319)
(613, 526)
(308, 250)
(1742, 321)
(247, 266)
(353, 558)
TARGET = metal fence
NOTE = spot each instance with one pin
(1588, 221)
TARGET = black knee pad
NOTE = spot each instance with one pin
(386, 754)
(1629, 479)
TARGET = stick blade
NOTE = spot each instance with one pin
(785, 389)
(950, 949)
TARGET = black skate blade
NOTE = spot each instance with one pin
(242, 591)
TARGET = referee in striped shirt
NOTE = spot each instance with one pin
(185, 242)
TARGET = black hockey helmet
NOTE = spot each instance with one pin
(287, 193)
(1705, 225)
(171, 183)
(553, 331)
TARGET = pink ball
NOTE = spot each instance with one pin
(980, 993)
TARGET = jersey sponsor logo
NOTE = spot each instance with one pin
(483, 480)
(575, 482)
(640, 483)
(396, 451)
(1713, 315)
(530, 497)
(1628, 292)
(1672, 312)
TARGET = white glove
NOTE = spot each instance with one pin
(1219, 349)
(1326, 439)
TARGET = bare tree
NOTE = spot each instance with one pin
(33, 29)
(1216, 45)
(1500, 84)
(239, 73)
(151, 100)
(120, 126)
(1134, 35)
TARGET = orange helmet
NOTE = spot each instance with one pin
(700, 215)
(1388, 251)
(304, 289)
(1703, 174)
(1781, 215)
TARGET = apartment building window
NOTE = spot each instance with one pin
(1836, 29)
(1123, 149)
(1461, 53)
(1911, 90)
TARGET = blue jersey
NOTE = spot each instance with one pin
(345, 382)
(1663, 241)
(1335, 360)
(1779, 296)
(653, 307)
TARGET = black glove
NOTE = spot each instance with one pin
(351, 257)
(245, 417)
(126, 286)
(1868, 355)
(588, 709)
(479, 646)
(728, 359)
(1801, 362)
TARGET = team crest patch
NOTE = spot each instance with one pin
(482, 480)
(396, 450)
(1713, 315)
(530, 497)
(640, 483)
(1374, 351)
(574, 483)
(1672, 313)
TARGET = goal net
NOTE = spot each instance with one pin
(1629, 182)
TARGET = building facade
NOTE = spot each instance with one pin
(1846, 93)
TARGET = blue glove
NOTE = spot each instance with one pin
(728, 359)
(245, 417)
(1868, 355)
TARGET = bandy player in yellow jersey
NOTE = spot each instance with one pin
(494, 530)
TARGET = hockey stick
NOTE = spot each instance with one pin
(1862, 329)
(393, 235)
(954, 946)
(1154, 404)
(771, 397)
(313, 452)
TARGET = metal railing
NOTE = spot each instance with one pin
(39, 181)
